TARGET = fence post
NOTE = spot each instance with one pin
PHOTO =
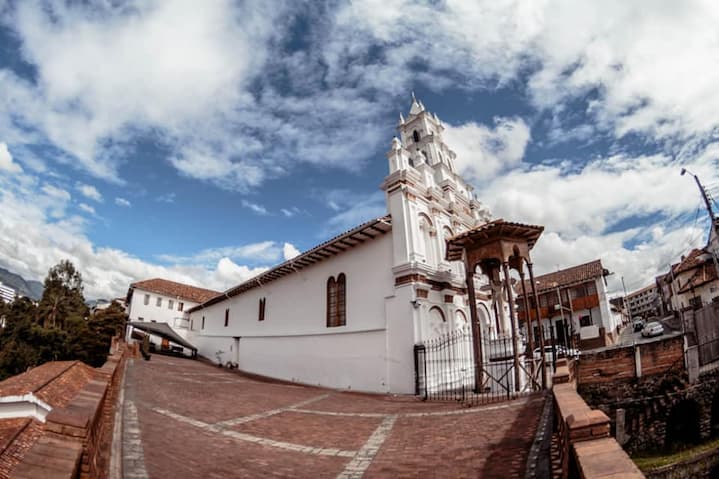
(417, 349)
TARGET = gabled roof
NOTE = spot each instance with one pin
(569, 276)
(347, 240)
(705, 273)
(178, 290)
(693, 260)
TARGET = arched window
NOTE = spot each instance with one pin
(331, 301)
(261, 314)
(341, 300)
(460, 320)
(437, 322)
(428, 236)
(337, 301)
(415, 136)
(446, 234)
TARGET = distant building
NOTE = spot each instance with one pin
(694, 281)
(583, 294)
(162, 301)
(7, 294)
(644, 303)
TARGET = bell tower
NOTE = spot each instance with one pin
(429, 203)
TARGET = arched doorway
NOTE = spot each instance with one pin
(683, 428)
(715, 415)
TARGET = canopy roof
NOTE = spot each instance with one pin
(492, 231)
(164, 331)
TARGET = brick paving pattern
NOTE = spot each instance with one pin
(196, 420)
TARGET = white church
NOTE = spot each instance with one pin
(348, 313)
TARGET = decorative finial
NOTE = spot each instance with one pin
(396, 144)
(414, 99)
(401, 118)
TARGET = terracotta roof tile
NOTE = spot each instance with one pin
(55, 382)
(565, 277)
(704, 274)
(17, 436)
(179, 290)
(692, 260)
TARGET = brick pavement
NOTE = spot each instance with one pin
(195, 420)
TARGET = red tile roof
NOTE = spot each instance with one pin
(569, 276)
(705, 273)
(692, 260)
(178, 290)
(17, 436)
(55, 382)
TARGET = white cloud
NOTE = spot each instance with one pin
(6, 161)
(587, 211)
(290, 212)
(105, 71)
(89, 191)
(289, 251)
(267, 251)
(167, 198)
(122, 202)
(229, 272)
(255, 208)
(86, 208)
(49, 236)
(483, 152)
(354, 209)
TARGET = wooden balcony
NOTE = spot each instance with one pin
(578, 304)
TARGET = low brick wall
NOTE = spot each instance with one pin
(586, 448)
(75, 441)
(622, 363)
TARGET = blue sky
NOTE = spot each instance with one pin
(205, 141)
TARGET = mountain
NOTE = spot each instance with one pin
(30, 288)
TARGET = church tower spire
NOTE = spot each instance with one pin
(424, 190)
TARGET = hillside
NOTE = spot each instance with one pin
(30, 288)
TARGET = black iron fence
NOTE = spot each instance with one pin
(445, 369)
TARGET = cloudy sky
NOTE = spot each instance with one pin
(204, 141)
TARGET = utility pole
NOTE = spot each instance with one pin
(710, 211)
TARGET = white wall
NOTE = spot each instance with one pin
(159, 314)
(294, 343)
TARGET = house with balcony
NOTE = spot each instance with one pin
(573, 306)
(162, 301)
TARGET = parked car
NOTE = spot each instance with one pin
(652, 329)
(547, 353)
(638, 325)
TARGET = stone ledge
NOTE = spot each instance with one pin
(50, 459)
(604, 458)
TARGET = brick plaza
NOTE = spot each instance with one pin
(184, 418)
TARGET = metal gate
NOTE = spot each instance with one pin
(445, 369)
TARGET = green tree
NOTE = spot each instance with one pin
(62, 298)
(24, 343)
(58, 328)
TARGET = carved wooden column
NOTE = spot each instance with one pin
(476, 330)
(512, 319)
(539, 322)
(530, 331)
